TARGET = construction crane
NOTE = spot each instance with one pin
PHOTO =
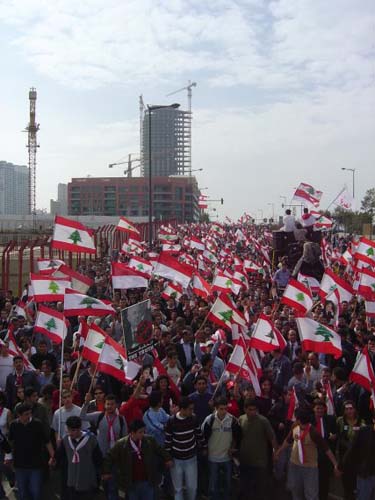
(32, 130)
(189, 89)
(129, 162)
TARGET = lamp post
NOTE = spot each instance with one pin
(150, 109)
(352, 170)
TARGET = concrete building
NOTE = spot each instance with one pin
(14, 189)
(60, 206)
(174, 198)
(170, 142)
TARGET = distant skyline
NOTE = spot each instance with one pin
(285, 90)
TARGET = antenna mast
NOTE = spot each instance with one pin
(32, 146)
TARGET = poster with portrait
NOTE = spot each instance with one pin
(137, 328)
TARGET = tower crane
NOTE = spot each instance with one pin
(32, 129)
(129, 162)
(189, 89)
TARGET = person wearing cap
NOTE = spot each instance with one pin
(79, 452)
(135, 459)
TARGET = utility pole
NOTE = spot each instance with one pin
(32, 130)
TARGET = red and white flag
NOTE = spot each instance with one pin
(251, 267)
(335, 288)
(308, 195)
(297, 296)
(225, 284)
(78, 304)
(172, 291)
(318, 338)
(367, 284)
(365, 251)
(79, 281)
(225, 313)
(201, 287)
(266, 337)
(210, 257)
(197, 244)
(310, 282)
(126, 226)
(370, 308)
(51, 323)
(171, 268)
(162, 371)
(14, 350)
(113, 361)
(363, 373)
(141, 265)
(94, 341)
(47, 266)
(72, 236)
(293, 405)
(165, 237)
(48, 288)
(171, 248)
(241, 365)
(124, 277)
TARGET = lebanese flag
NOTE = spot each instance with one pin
(197, 244)
(241, 365)
(318, 338)
(188, 259)
(293, 405)
(51, 323)
(310, 282)
(266, 337)
(79, 281)
(172, 291)
(72, 236)
(47, 266)
(224, 312)
(126, 226)
(171, 248)
(217, 228)
(162, 371)
(47, 288)
(210, 257)
(124, 277)
(78, 304)
(14, 350)
(363, 373)
(323, 223)
(370, 308)
(367, 284)
(167, 237)
(201, 287)
(251, 267)
(238, 275)
(307, 194)
(171, 268)
(141, 265)
(297, 296)
(94, 341)
(113, 361)
(225, 284)
(366, 251)
(335, 288)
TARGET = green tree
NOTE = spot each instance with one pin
(368, 202)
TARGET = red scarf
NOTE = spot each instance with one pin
(111, 437)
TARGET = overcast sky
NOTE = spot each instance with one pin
(286, 90)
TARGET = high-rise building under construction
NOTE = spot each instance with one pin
(170, 142)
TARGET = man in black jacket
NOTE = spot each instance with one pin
(185, 350)
(19, 377)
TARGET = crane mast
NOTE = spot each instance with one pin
(32, 130)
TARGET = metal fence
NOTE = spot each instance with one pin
(19, 256)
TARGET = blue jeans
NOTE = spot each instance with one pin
(111, 488)
(141, 490)
(185, 469)
(29, 483)
(216, 470)
(366, 488)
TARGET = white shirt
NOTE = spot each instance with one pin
(289, 223)
(75, 411)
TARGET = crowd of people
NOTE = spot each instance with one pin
(193, 429)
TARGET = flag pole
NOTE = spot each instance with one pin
(75, 377)
(61, 381)
(332, 202)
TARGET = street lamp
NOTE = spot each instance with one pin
(150, 109)
(197, 170)
(352, 170)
